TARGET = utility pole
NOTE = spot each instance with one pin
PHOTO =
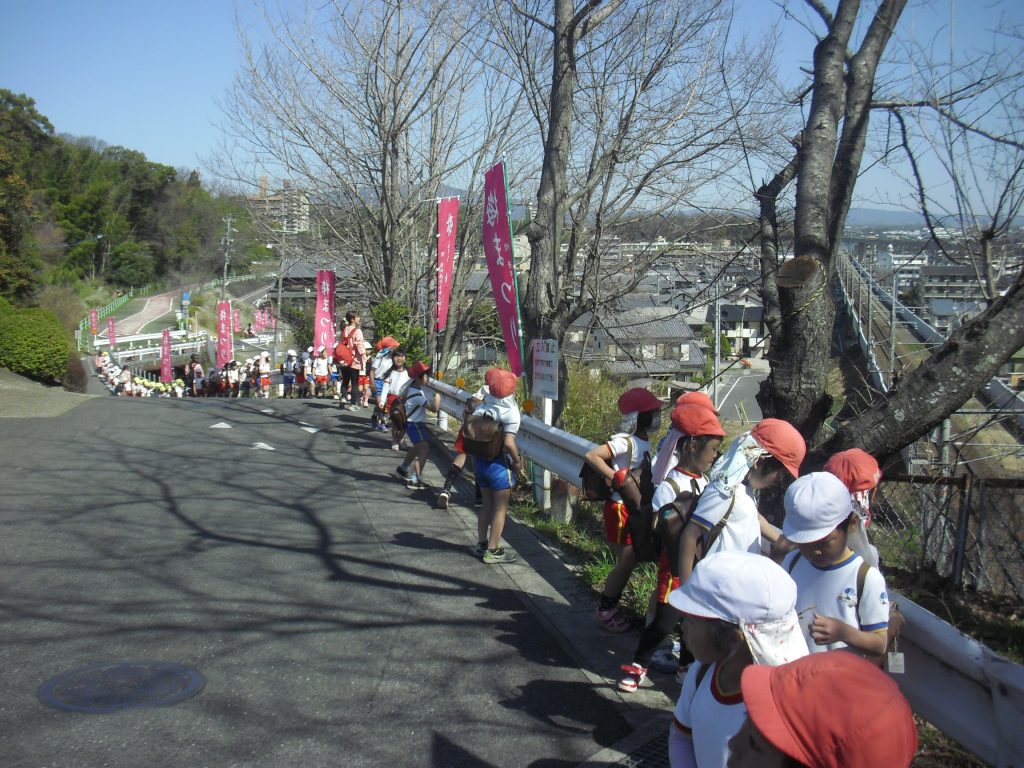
(227, 241)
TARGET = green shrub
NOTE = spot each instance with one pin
(32, 343)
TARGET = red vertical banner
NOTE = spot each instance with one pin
(501, 264)
(166, 376)
(323, 322)
(225, 346)
(94, 321)
(447, 224)
(236, 328)
(112, 333)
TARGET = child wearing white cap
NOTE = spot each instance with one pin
(738, 610)
(841, 599)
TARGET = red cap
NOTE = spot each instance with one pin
(696, 421)
(697, 398)
(500, 383)
(388, 341)
(856, 468)
(782, 441)
(794, 708)
(638, 400)
(418, 369)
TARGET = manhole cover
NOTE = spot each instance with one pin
(116, 686)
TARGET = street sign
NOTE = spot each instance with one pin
(545, 369)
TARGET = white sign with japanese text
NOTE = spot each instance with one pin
(545, 369)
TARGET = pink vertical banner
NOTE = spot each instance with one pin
(166, 376)
(273, 320)
(112, 333)
(323, 322)
(225, 346)
(501, 264)
(447, 223)
(94, 321)
(236, 328)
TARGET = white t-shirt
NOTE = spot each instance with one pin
(415, 405)
(619, 445)
(665, 493)
(832, 591)
(321, 366)
(505, 410)
(382, 364)
(742, 532)
(712, 716)
(393, 384)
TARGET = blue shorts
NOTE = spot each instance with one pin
(495, 474)
(416, 431)
(378, 387)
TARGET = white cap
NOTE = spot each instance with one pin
(815, 505)
(320, 349)
(310, 349)
(737, 587)
(291, 353)
(264, 354)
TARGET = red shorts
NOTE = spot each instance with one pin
(364, 380)
(459, 447)
(666, 581)
(300, 378)
(390, 401)
(615, 517)
(321, 379)
(264, 381)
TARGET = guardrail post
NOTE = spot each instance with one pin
(961, 533)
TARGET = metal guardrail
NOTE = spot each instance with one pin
(963, 688)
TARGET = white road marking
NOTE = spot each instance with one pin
(220, 425)
(262, 447)
(266, 410)
(311, 430)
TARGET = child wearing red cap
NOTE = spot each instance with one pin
(625, 450)
(827, 710)
(416, 406)
(696, 437)
(738, 611)
(842, 600)
(726, 517)
(496, 477)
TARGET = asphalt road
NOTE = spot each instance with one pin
(338, 619)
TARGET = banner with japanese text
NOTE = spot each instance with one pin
(94, 321)
(236, 328)
(323, 323)
(166, 375)
(112, 333)
(225, 347)
(447, 224)
(501, 264)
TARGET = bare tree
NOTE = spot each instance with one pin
(375, 110)
(637, 108)
(798, 307)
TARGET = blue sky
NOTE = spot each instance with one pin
(147, 75)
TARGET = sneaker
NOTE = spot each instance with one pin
(480, 548)
(663, 660)
(403, 471)
(499, 555)
(634, 675)
(611, 620)
(396, 447)
(442, 499)
(415, 484)
(382, 427)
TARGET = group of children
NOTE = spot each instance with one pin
(748, 595)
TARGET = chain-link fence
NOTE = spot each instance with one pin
(966, 529)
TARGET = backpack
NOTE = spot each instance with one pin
(297, 367)
(896, 619)
(343, 353)
(672, 519)
(483, 436)
(594, 487)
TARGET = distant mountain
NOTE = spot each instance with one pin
(882, 219)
